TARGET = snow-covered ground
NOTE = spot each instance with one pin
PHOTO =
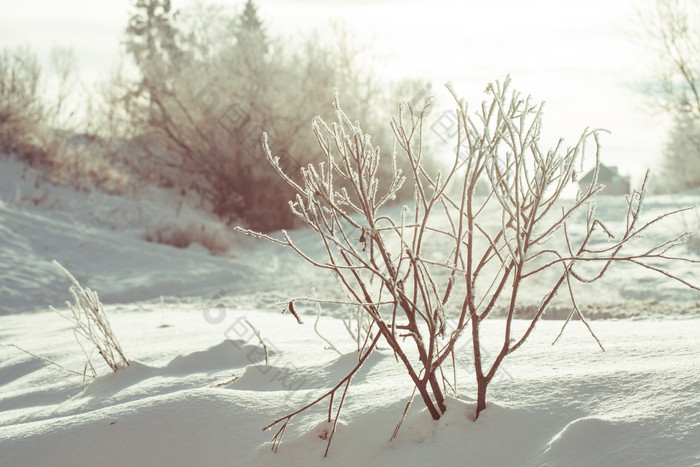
(182, 318)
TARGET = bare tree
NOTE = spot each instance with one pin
(671, 32)
(21, 109)
(431, 274)
(64, 73)
(680, 167)
(211, 81)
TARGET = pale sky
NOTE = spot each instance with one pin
(575, 56)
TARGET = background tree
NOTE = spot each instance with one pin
(250, 33)
(671, 32)
(151, 40)
(211, 82)
(21, 109)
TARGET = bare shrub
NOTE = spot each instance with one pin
(213, 238)
(433, 273)
(80, 161)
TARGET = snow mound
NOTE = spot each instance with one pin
(592, 438)
(229, 354)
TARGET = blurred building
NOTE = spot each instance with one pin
(615, 184)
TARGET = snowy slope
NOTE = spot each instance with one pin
(100, 239)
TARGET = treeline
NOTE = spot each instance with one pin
(187, 107)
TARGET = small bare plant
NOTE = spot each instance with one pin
(92, 324)
(691, 224)
(434, 272)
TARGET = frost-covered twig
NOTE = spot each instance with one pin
(45, 360)
(318, 333)
(346, 380)
(260, 339)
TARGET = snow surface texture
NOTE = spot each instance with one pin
(571, 404)
(199, 391)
